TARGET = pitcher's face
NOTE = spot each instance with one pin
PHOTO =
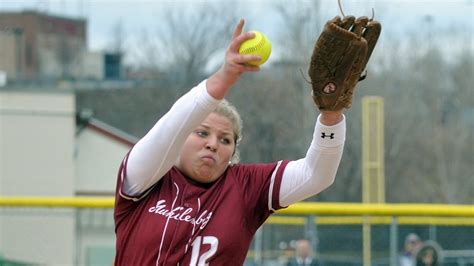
(208, 149)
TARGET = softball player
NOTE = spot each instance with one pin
(182, 198)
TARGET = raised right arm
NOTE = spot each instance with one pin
(158, 150)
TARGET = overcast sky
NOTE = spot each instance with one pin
(398, 16)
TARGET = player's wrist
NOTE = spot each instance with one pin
(330, 118)
(218, 85)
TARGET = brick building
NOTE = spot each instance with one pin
(39, 46)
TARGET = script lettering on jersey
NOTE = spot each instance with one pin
(181, 214)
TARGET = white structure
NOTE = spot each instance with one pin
(99, 150)
(43, 153)
(36, 159)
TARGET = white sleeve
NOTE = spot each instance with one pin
(158, 150)
(315, 172)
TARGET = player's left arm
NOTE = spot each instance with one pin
(315, 172)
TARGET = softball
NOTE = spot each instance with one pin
(259, 45)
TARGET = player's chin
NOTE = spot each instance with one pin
(211, 175)
(204, 174)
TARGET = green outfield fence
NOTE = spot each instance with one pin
(335, 229)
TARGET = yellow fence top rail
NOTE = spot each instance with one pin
(58, 202)
(385, 209)
(374, 220)
(302, 208)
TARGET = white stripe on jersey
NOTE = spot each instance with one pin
(272, 182)
(166, 224)
(194, 226)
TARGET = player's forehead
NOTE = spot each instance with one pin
(218, 123)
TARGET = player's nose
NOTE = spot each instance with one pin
(212, 143)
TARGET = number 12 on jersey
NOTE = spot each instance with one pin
(201, 241)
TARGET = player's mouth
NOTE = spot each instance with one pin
(208, 158)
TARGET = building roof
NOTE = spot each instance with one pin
(111, 132)
(133, 110)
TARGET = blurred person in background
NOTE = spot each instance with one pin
(303, 254)
(182, 198)
(429, 254)
(411, 245)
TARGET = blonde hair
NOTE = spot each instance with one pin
(228, 110)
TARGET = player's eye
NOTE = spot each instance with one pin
(202, 133)
(225, 141)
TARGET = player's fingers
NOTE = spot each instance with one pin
(237, 41)
(359, 25)
(241, 68)
(238, 29)
(246, 58)
(347, 22)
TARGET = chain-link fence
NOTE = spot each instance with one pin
(340, 240)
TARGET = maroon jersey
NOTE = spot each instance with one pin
(178, 222)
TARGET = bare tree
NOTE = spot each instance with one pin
(300, 25)
(429, 138)
(187, 39)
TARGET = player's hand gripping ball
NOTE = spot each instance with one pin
(259, 45)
